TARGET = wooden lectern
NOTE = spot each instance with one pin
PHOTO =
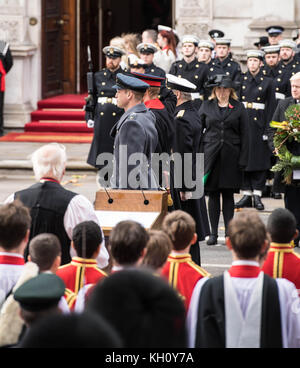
(149, 208)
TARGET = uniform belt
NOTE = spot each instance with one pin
(104, 100)
(279, 96)
(254, 105)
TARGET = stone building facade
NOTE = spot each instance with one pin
(21, 25)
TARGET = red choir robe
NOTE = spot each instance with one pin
(183, 274)
(80, 272)
(283, 262)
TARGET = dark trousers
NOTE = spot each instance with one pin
(292, 202)
(214, 209)
(254, 180)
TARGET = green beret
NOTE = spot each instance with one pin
(41, 292)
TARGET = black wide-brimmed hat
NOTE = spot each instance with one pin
(221, 80)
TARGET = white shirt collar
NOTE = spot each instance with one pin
(245, 263)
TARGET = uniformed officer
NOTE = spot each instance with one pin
(6, 63)
(162, 102)
(190, 68)
(187, 124)
(205, 55)
(258, 95)
(214, 34)
(223, 63)
(147, 51)
(134, 134)
(205, 49)
(274, 34)
(135, 64)
(288, 66)
(271, 60)
(105, 112)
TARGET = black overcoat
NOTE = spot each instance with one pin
(225, 144)
(105, 114)
(259, 89)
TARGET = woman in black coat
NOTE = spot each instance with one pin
(224, 122)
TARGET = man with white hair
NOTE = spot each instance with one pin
(292, 191)
(53, 208)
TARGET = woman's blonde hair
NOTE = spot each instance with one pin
(233, 94)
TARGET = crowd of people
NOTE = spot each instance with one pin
(62, 284)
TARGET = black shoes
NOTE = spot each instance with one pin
(246, 201)
(257, 203)
(212, 240)
(276, 195)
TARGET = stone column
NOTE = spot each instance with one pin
(21, 81)
(193, 17)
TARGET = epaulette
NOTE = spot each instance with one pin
(180, 114)
(132, 116)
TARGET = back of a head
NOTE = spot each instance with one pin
(150, 35)
(247, 234)
(49, 161)
(43, 250)
(87, 237)
(128, 240)
(159, 247)
(282, 226)
(71, 331)
(143, 308)
(15, 221)
(180, 227)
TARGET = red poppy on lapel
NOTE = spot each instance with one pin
(230, 106)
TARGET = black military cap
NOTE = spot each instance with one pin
(132, 83)
(263, 41)
(41, 292)
(180, 84)
(147, 48)
(221, 80)
(274, 30)
(113, 52)
(216, 33)
(152, 80)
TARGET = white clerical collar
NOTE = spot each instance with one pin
(245, 263)
(11, 254)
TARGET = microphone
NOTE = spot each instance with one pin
(110, 200)
(146, 202)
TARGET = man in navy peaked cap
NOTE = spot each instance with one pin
(135, 137)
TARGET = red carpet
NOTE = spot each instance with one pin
(48, 137)
(59, 114)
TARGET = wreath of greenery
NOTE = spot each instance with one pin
(287, 131)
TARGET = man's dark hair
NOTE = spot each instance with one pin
(71, 331)
(247, 234)
(87, 236)
(127, 240)
(145, 310)
(43, 250)
(282, 225)
(15, 221)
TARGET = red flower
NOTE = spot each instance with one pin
(230, 106)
